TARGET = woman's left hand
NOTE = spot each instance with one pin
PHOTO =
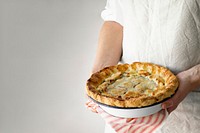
(185, 87)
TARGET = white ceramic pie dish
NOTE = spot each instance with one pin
(131, 112)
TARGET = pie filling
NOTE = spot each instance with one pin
(128, 86)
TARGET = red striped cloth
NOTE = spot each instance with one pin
(146, 124)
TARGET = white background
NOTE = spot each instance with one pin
(47, 49)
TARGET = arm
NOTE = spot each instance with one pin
(109, 48)
(189, 80)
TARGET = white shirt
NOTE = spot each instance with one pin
(165, 32)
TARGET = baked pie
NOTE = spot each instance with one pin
(132, 85)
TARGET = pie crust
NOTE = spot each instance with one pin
(132, 85)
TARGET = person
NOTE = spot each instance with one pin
(162, 32)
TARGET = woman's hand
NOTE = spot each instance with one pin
(188, 80)
(183, 90)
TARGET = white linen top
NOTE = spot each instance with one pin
(165, 32)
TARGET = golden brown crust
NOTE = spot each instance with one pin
(166, 84)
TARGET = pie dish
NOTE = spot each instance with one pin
(132, 112)
(135, 85)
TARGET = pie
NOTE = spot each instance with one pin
(132, 85)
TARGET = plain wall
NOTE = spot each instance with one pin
(47, 48)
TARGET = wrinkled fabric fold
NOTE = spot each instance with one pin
(186, 118)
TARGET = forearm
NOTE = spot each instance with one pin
(109, 48)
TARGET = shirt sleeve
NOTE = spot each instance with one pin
(113, 12)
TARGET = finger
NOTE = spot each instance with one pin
(167, 104)
(172, 101)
